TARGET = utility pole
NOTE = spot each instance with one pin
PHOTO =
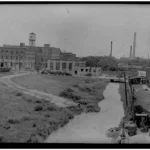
(125, 90)
(19, 60)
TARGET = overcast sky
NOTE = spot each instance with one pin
(84, 29)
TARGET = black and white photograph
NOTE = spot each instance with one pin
(75, 73)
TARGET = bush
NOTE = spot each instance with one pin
(51, 108)
(76, 86)
(92, 108)
(88, 74)
(1, 139)
(13, 121)
(19, 93)
(68, 94)
(38, 108)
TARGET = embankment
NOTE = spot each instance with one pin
(27, 119)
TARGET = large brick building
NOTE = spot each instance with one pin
(30, 56)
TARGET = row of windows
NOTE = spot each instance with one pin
(64, 65)
(87, 70)
(12, 52)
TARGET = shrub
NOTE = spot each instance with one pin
(76, 86)
(1, 139)
(69, 95)
(92, 108)
(38, 108)
(51, 108)
(13, 121)
(19, 93)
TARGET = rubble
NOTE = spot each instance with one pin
(131, 128)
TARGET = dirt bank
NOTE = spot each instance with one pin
(25, 118)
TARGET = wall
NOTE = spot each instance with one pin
(11, 56)
(95, 71)
(60, 65)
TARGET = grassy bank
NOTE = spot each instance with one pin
(27, 119)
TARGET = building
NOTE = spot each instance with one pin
(11, 57)
(72, 67)
(30, 57)
(68, 56)
(81, 71)
(142, 74)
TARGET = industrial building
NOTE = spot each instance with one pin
(30, 57)
(73, 67)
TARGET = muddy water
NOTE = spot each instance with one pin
(92, 127)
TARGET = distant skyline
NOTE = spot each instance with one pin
(84, 29)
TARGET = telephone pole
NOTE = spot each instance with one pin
(125, 90)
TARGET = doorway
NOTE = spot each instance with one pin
(75, 72)
(2, 65)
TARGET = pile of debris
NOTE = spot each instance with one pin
(121, 135)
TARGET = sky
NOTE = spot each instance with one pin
(83, 29)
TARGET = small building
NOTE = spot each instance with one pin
(81, 71)
(142, 74)
(74, 68)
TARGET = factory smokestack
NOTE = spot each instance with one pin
(130, 55)
(134, 45)
(111, 49)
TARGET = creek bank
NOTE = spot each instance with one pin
(32, 120)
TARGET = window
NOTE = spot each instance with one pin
(70, 66)
(63, 65)
(86, 70)
(81, 70)
(57, 65)
(51, 65)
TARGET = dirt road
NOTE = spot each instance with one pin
(92, 127)
(39, 94)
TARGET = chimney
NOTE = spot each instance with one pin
(130, 55)
(111, 49)
(134, 45)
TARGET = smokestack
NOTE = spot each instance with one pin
(111, 49)
(134, 45)
(130, 55)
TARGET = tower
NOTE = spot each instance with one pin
(130, 55)
(134, 45)
(111, 50)
(32, 39)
